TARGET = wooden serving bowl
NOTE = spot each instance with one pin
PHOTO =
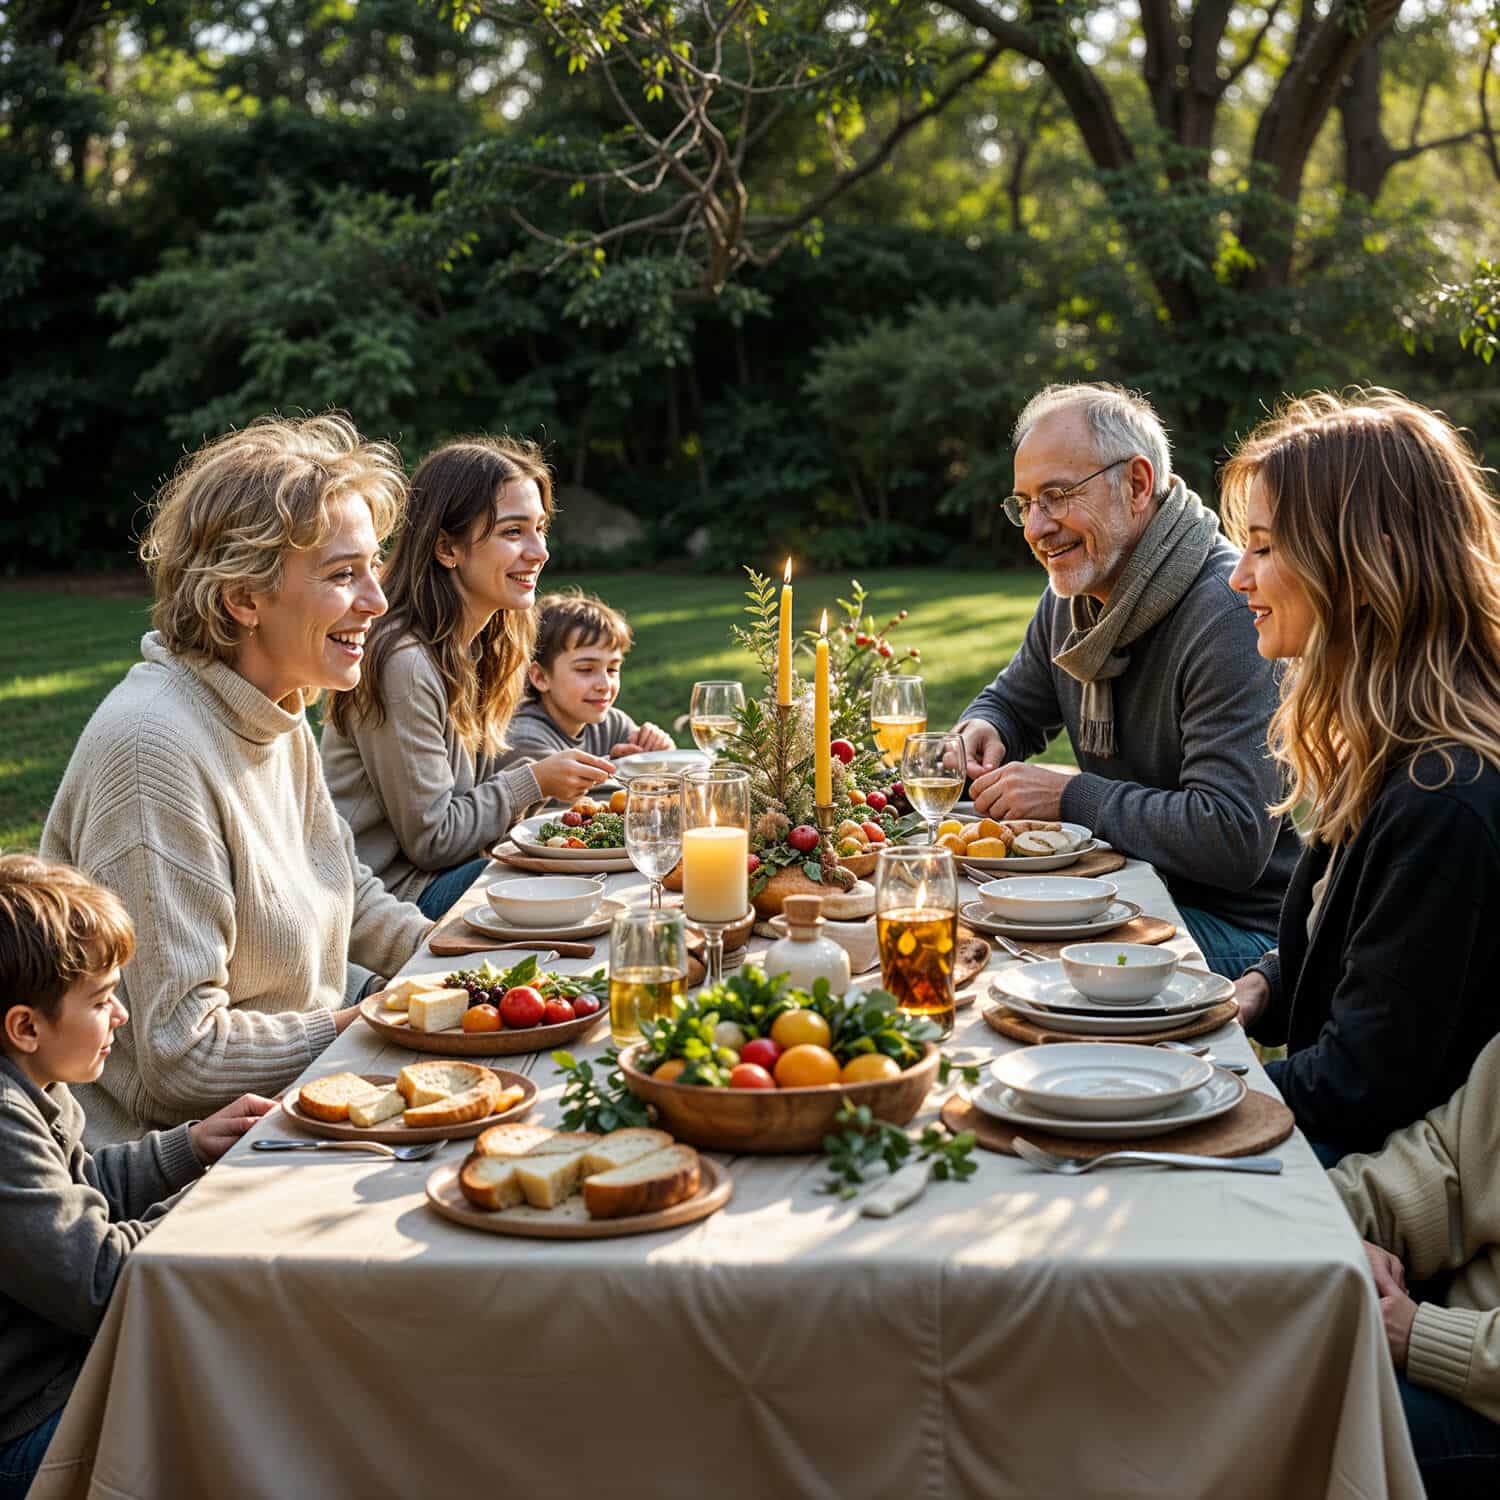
(860, 865)
(774, 1121)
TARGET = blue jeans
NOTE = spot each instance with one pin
(443, 890)
(1458, 1451)
(19, 1460)
(1229, 950)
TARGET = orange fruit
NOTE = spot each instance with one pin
(668, 1071)
(482, 1018)
(617, 802)
(806, 1066)
(795, 1028)
(856, 796)
(870, 1067)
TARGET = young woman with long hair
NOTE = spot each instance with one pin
(1372, 565)
(415, 753)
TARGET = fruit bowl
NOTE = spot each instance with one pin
(774, 1121)
(860, 865)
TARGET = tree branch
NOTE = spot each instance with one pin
(1256, 43)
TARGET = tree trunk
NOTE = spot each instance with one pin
(1368, 155)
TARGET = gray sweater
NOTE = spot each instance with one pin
(1191, 780)
(534, 730)
(67, 1221)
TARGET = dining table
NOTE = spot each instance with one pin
(306, 1325)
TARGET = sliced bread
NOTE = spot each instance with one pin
(563, 1141)
(490, 1182)
(457, 1109)
(427, 1082)
(506, 1142)
(645, 1185)
(329, 1098)
(622, 1146)
(547, 1180)
(383, 1105)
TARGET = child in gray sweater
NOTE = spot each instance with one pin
(574, 680)
(68, 1218)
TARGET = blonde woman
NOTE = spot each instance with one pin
(1372, 564)
(195, 792)
(415, 752)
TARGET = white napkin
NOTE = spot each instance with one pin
(904, 1187)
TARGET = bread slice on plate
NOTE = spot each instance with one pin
(384, 1104)
(507, 1142)
(490, 1182)
(547, 1180)
(622, 1146)
(562, 1141)
(427, 1082)
(458, 1109)
(644, 1185)
(329, 1098)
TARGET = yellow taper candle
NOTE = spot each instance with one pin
(715, 881)
(784, 645)
(822, 746)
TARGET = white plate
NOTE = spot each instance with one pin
(1036, 864)
(1100, 1080)
(977, 915)
(1217, 1097)
(1046, 987)
(1104, 1023)
(483, 920)
(525, 835)
(659, 763)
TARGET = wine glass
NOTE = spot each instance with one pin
(898, 707)
(715, 849)
(653, 828)
(916, 925)
(932, 775)
(713, 714)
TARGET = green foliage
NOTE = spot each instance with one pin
(1471, 309)
(597, 1099)
(862, 1142)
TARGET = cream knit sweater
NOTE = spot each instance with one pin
(411, 790)
(1431, 1195)
(201, 804)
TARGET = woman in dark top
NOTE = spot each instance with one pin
(1372, 563)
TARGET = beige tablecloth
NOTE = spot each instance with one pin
(305, 1326)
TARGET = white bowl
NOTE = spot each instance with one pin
(1100, 1080)
(1118, 973)
(1047, 898)
(544, 901)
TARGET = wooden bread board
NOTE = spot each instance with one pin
(1019, 1029)
(476, 1043)
(1256, 1123)
(570, 1219)
(393, 1132)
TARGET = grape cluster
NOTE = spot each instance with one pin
(477, 983)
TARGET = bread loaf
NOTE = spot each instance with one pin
(490, 1182)
(382, 1105)
(457, 1109)
(427, 1082)
(329, 1098)
(437, 1010)
(645, 1185)
(622, 1146)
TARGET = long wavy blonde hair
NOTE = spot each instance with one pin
(1382, 512)
(454, 492)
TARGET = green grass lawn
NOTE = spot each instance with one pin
(61, 653)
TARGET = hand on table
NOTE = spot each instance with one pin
(1397, 1311)
(982, 745)
(212, 1137)
(1389, 1273)
(1253, 993)
(570, 773)
(1020, 790)
(345, 1017)
(647, 737)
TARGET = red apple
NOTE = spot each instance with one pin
(843, 749)
(752, 863)
(750, 1076)
(555, 1012)
(876, 801)
(585, 1005)
(763, 1052)
(803, 838)
(521, 1007)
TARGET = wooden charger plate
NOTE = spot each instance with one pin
(570, 1219)
(393, 1133)
(457, 1043)
(1004, 1020)
(609, 862)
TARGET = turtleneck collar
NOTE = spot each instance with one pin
(241, 705)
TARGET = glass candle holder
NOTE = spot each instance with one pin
(715, 846)
(916, 923)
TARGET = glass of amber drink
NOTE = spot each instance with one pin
(916, 920)
(648, 969)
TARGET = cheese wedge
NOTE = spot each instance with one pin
(547, 1180)
(437, 1010)
(622, 1146)
(399, 994)
(385, 1105)
(490, 1182)
(645, 1185)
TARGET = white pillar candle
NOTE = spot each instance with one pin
(715, 880)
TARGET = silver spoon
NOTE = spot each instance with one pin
(1074, 1166)
(1203, 1050)
(418, 1152)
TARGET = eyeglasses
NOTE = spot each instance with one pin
(1054, 502)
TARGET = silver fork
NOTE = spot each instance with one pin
(1204, 1051)
(1073, 1166)
(1026, 955)
(419, 1152)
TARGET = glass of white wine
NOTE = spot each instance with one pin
(932, 775)
(648, 969)
(898, 707)
(713, 714)
(653, 828)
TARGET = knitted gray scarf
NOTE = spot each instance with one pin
(1159, 572)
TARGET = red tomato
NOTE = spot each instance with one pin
(874, 832)
(750, 1076)
(763, 1052)
(585, 1005)
(571, 820)
(522, 1007)
(555, 1012)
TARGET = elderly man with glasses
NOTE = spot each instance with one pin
(1141, 652)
